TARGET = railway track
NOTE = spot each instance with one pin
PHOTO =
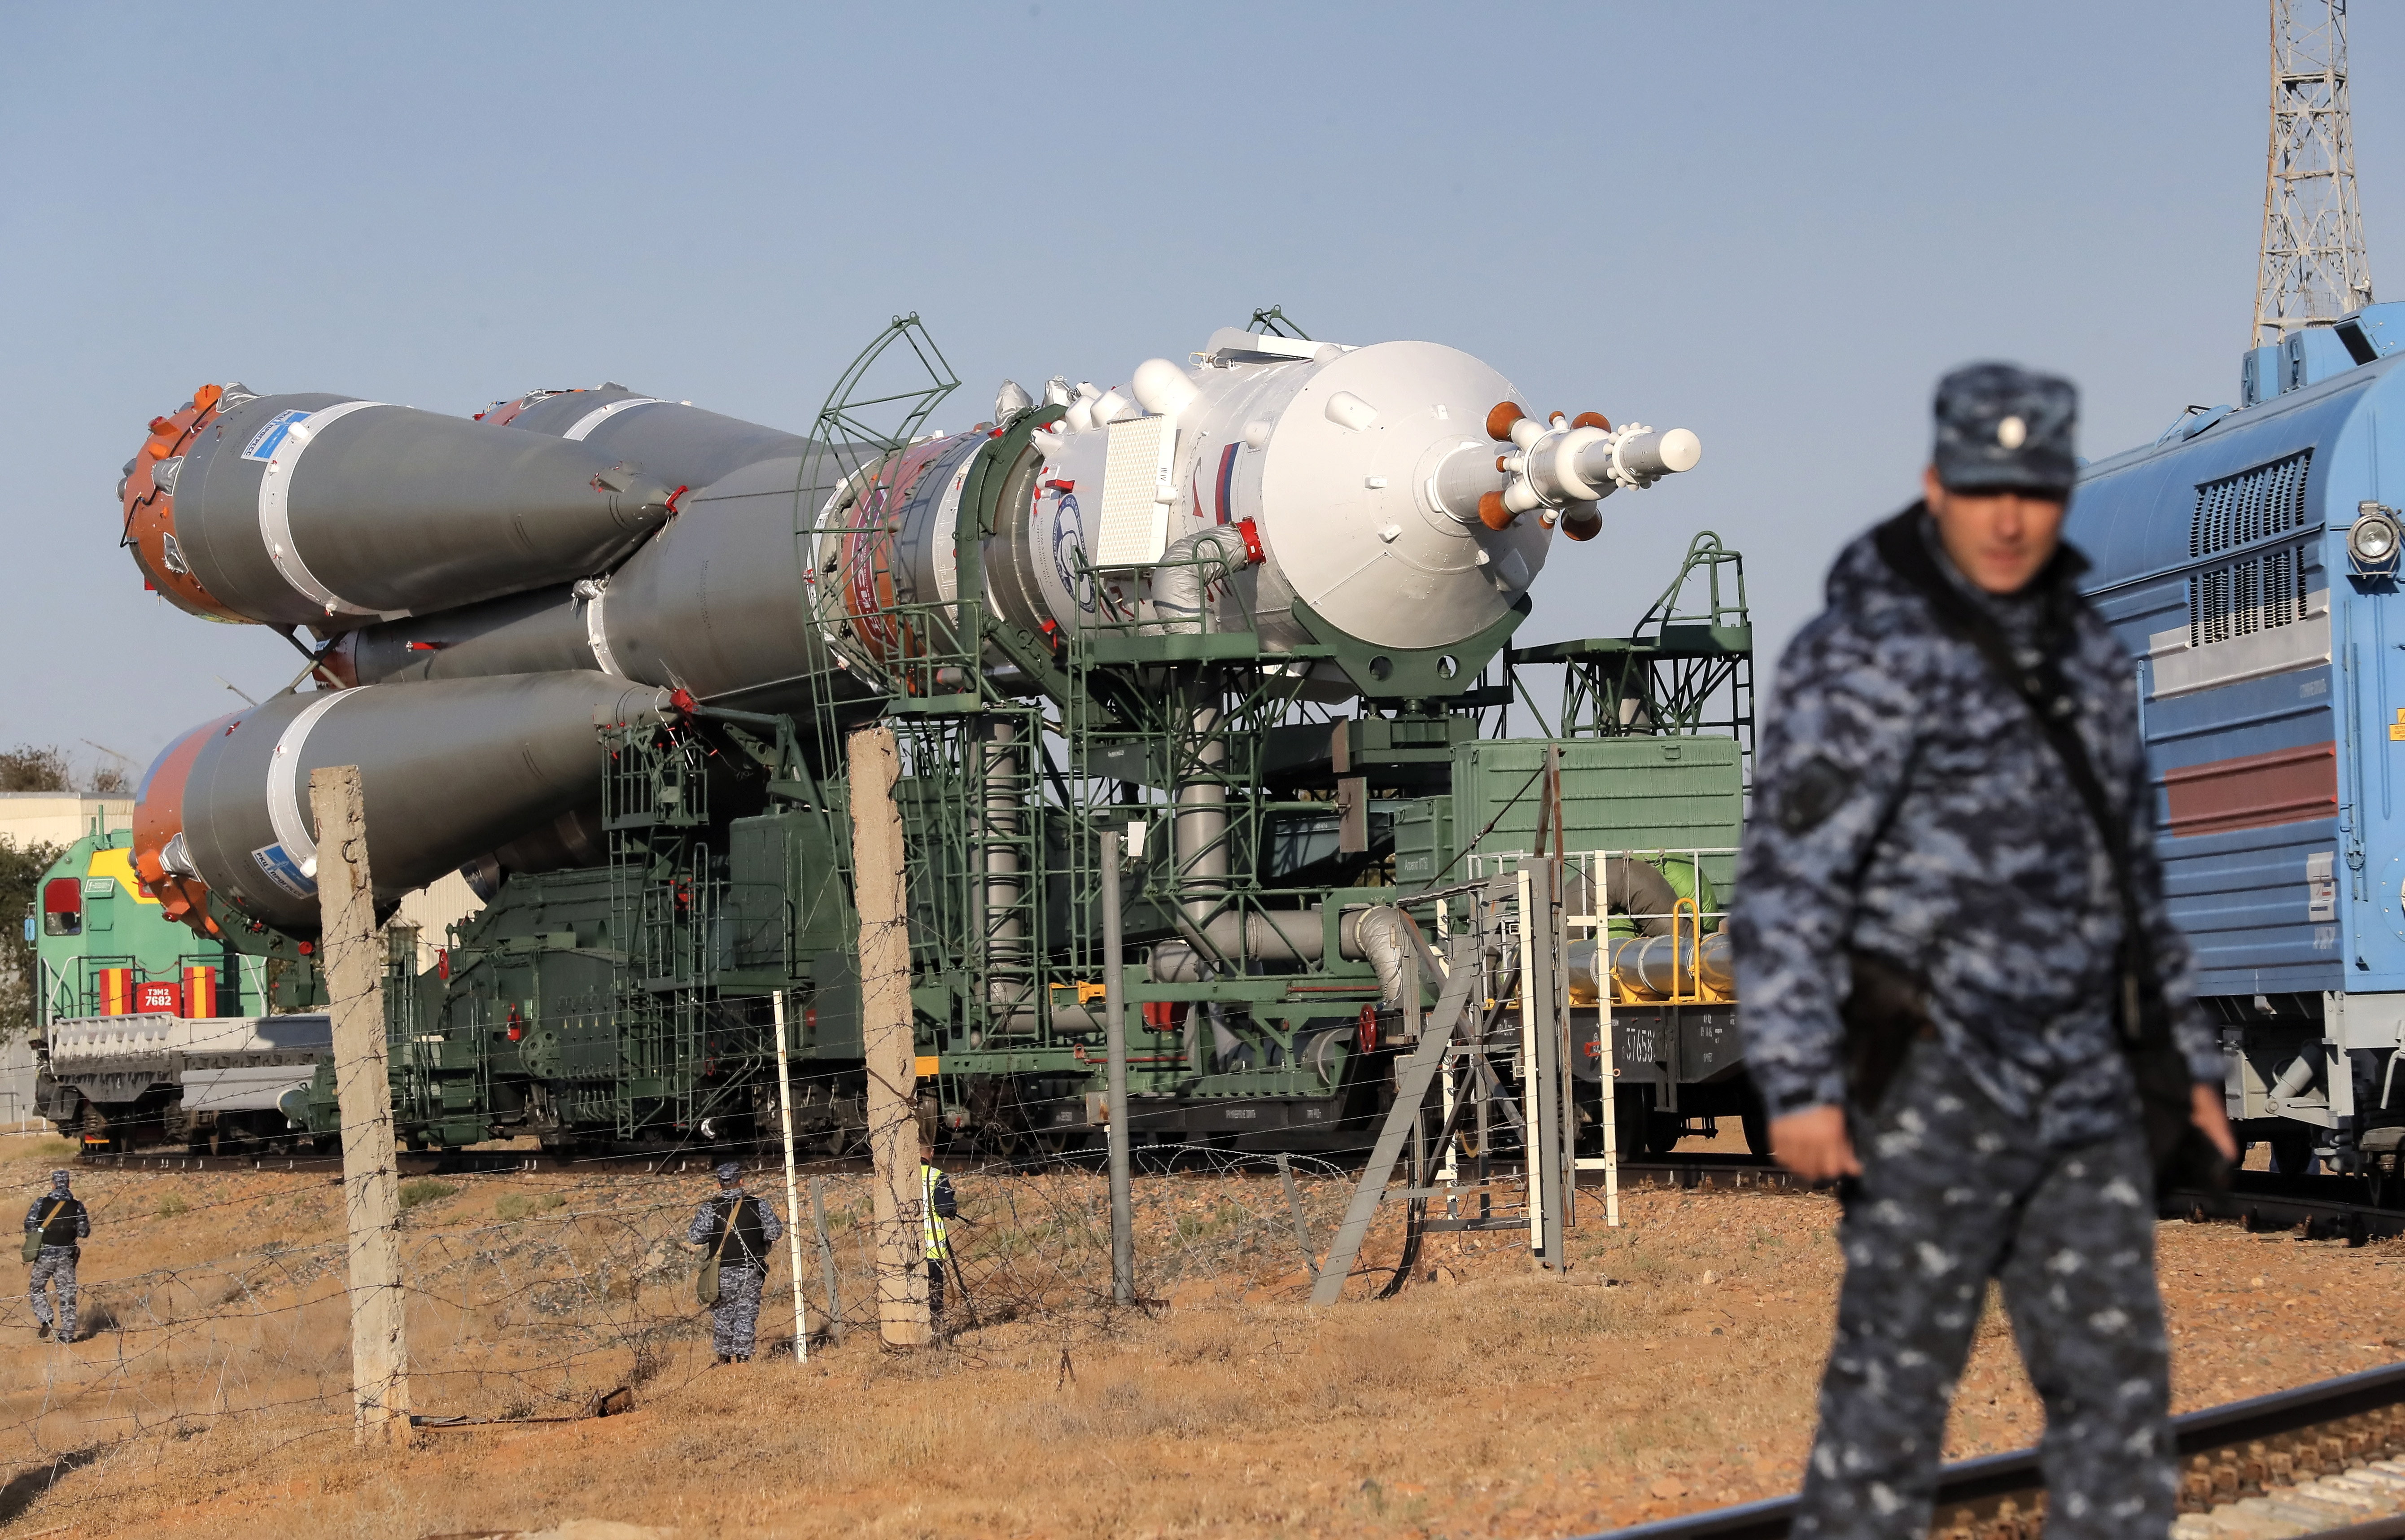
(2318, 1461)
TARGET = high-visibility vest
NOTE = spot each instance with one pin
(938, 1246)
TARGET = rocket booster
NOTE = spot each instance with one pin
(487, 587)
(451, 770)
(329, 512)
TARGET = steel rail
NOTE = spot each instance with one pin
(1970, 1482)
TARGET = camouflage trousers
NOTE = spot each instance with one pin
(736, 1317)
(55, 1265)
(1955, 1192)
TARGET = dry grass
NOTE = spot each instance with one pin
(47, 1148)
(1675, 1370)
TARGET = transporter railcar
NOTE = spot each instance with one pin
(2249, 559)
(601, 652)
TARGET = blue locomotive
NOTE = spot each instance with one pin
(2248, 557)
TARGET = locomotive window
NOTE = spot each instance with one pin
(62, 907)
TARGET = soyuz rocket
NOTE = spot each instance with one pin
(486, 593)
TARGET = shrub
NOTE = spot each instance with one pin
(417, 1189)
(171, 1205)
(512, 1206)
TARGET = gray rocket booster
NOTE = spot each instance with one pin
(331, 512)
(452, 770)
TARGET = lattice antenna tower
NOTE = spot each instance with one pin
(2313, 267)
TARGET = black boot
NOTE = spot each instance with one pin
(42, 1329)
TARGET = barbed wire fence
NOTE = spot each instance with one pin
(534, 1294)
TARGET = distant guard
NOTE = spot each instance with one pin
(737, 1229)
(54, 1226)
(1965, 998)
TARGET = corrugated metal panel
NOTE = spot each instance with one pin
(1638, 793)
(2246, 901)
(17, 1066)
(2253, 790)
(2234, 863)
(1423, 842)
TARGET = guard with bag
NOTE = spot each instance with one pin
(733, 1232)
(1966, 1001)
(54, 1226)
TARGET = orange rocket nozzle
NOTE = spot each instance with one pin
(1592, 419)
(1492, 513)
(1583, 525)
(1500, 418)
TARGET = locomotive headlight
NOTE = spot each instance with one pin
(2373, 540)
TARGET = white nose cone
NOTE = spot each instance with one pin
(1682, 450)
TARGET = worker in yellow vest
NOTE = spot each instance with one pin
(936, 1205)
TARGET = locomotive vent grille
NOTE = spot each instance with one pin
(2250, 506)
(2251, 595)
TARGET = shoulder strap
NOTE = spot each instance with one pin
(57, 1209)
(2039, 683)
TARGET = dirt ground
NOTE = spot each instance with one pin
(1673, 1370)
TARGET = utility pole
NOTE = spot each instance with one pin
(793, 1189)
(2313, 267)
(354, 968)
(1115, 1048)
(873, 765)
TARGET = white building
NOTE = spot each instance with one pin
(61, 817)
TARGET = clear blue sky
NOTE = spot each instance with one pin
(1773, 223)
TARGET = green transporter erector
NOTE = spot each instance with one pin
(1255, 613)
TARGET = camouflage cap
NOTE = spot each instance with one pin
(730, 1172)
(2002, 428)
(59, 1181)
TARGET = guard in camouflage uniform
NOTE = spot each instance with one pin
(62, 1220)
(742, 1260)
(1919, 854)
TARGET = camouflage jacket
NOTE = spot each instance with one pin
(1908, 805)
